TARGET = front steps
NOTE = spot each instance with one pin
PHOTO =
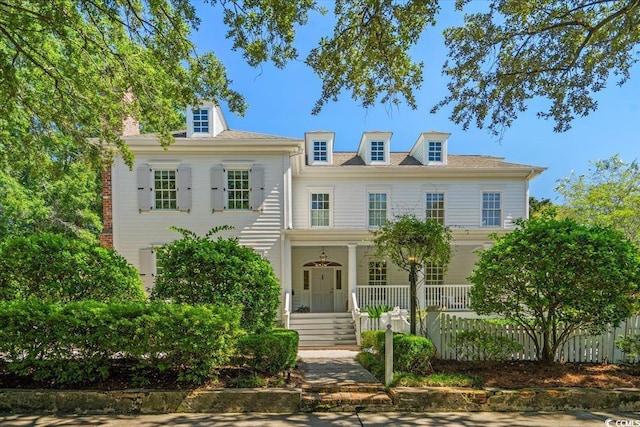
(324, 329)
(345, 398)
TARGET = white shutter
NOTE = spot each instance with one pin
(257, 187)
(144, 188)
(217, 188)
(184, 188)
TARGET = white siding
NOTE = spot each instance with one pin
(257, 229)
(463, 199)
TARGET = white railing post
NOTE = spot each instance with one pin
(356, 315)
(286, 311)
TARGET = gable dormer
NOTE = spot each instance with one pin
(431, 148)
(374, 148)
(319, 147)
(205, 121)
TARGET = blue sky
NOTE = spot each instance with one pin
(280, 103)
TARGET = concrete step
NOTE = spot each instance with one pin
(324, 329)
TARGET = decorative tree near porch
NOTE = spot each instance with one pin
(410, 243)
(552, 277)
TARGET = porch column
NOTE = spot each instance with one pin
(286, 282)
(353, 271)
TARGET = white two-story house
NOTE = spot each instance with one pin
(309, 209)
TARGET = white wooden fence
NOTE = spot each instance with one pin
(580, 347)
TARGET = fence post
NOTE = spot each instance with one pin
(433, 329)
(388, 356)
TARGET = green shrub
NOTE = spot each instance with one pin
(630, 346)
(442, 379)
(484, 346)
(371, 363)
(78, 342)
(411, 353)
(198, 270)
(269, 352)
(53, 267)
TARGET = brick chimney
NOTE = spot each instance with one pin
(130, 127)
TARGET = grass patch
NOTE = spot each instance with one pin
(444, 379)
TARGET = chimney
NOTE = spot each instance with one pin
(130, 125)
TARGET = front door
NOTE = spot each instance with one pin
(322, 284)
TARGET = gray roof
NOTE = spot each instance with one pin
(453, 161)
(239, 135)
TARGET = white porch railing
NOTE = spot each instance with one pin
(391, 295)
(450, 297)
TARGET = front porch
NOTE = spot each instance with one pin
(448, 297)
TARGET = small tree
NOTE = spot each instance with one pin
(552, 277)
(198, 270)
(410, 243)
(52, 267)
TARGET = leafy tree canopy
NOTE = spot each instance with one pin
(553, 276)
(608, 194)
(563, 51)
(199, 270)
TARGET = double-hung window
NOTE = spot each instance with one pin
(164, 186)
(320, 210)
(435, 207)
(319, 151)
(238, 189)
(434, 153)
(377, 273)
(165, 189)
(377, 151)
(491, 209)
(377, 209)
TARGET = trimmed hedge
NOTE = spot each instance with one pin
(269, 352)
(411, 353)
(53, 267)
(78, 342)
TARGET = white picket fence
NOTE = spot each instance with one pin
(580, 347)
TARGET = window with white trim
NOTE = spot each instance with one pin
(201, 120)
(377, 209)
(165, 189)
(377, 151)
(320, 210)
(377, 273)
(491, 209)
(435, 207)
(238, 189)
(164, 186)
(434, 153)
(433, 274)
(319, 151)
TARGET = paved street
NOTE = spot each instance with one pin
(493, 419)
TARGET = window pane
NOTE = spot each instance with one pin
(201, 121)
(377, 151)
(238, 189)
(377, 209)
(435, 207)
(320, 151)
(164, 189)
(320, 210)
(491, 210)
(435, 151)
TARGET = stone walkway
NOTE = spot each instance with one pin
(335, 381)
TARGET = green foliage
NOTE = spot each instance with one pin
(411, 353)
(553, 276)
(608, 194)
(371, 363)
(408, 240)
(518, 50)
(367, 33)
(442, 379)
(52, 267)
(78, 342)
(630, 346)
(269, 352)
(198, 270)
(484, 346)
(375, 311)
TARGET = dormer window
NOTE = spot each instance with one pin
(377, 151)
(319, 151)
(435, 151)
(201, 120)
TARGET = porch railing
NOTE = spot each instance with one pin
(449, 297)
